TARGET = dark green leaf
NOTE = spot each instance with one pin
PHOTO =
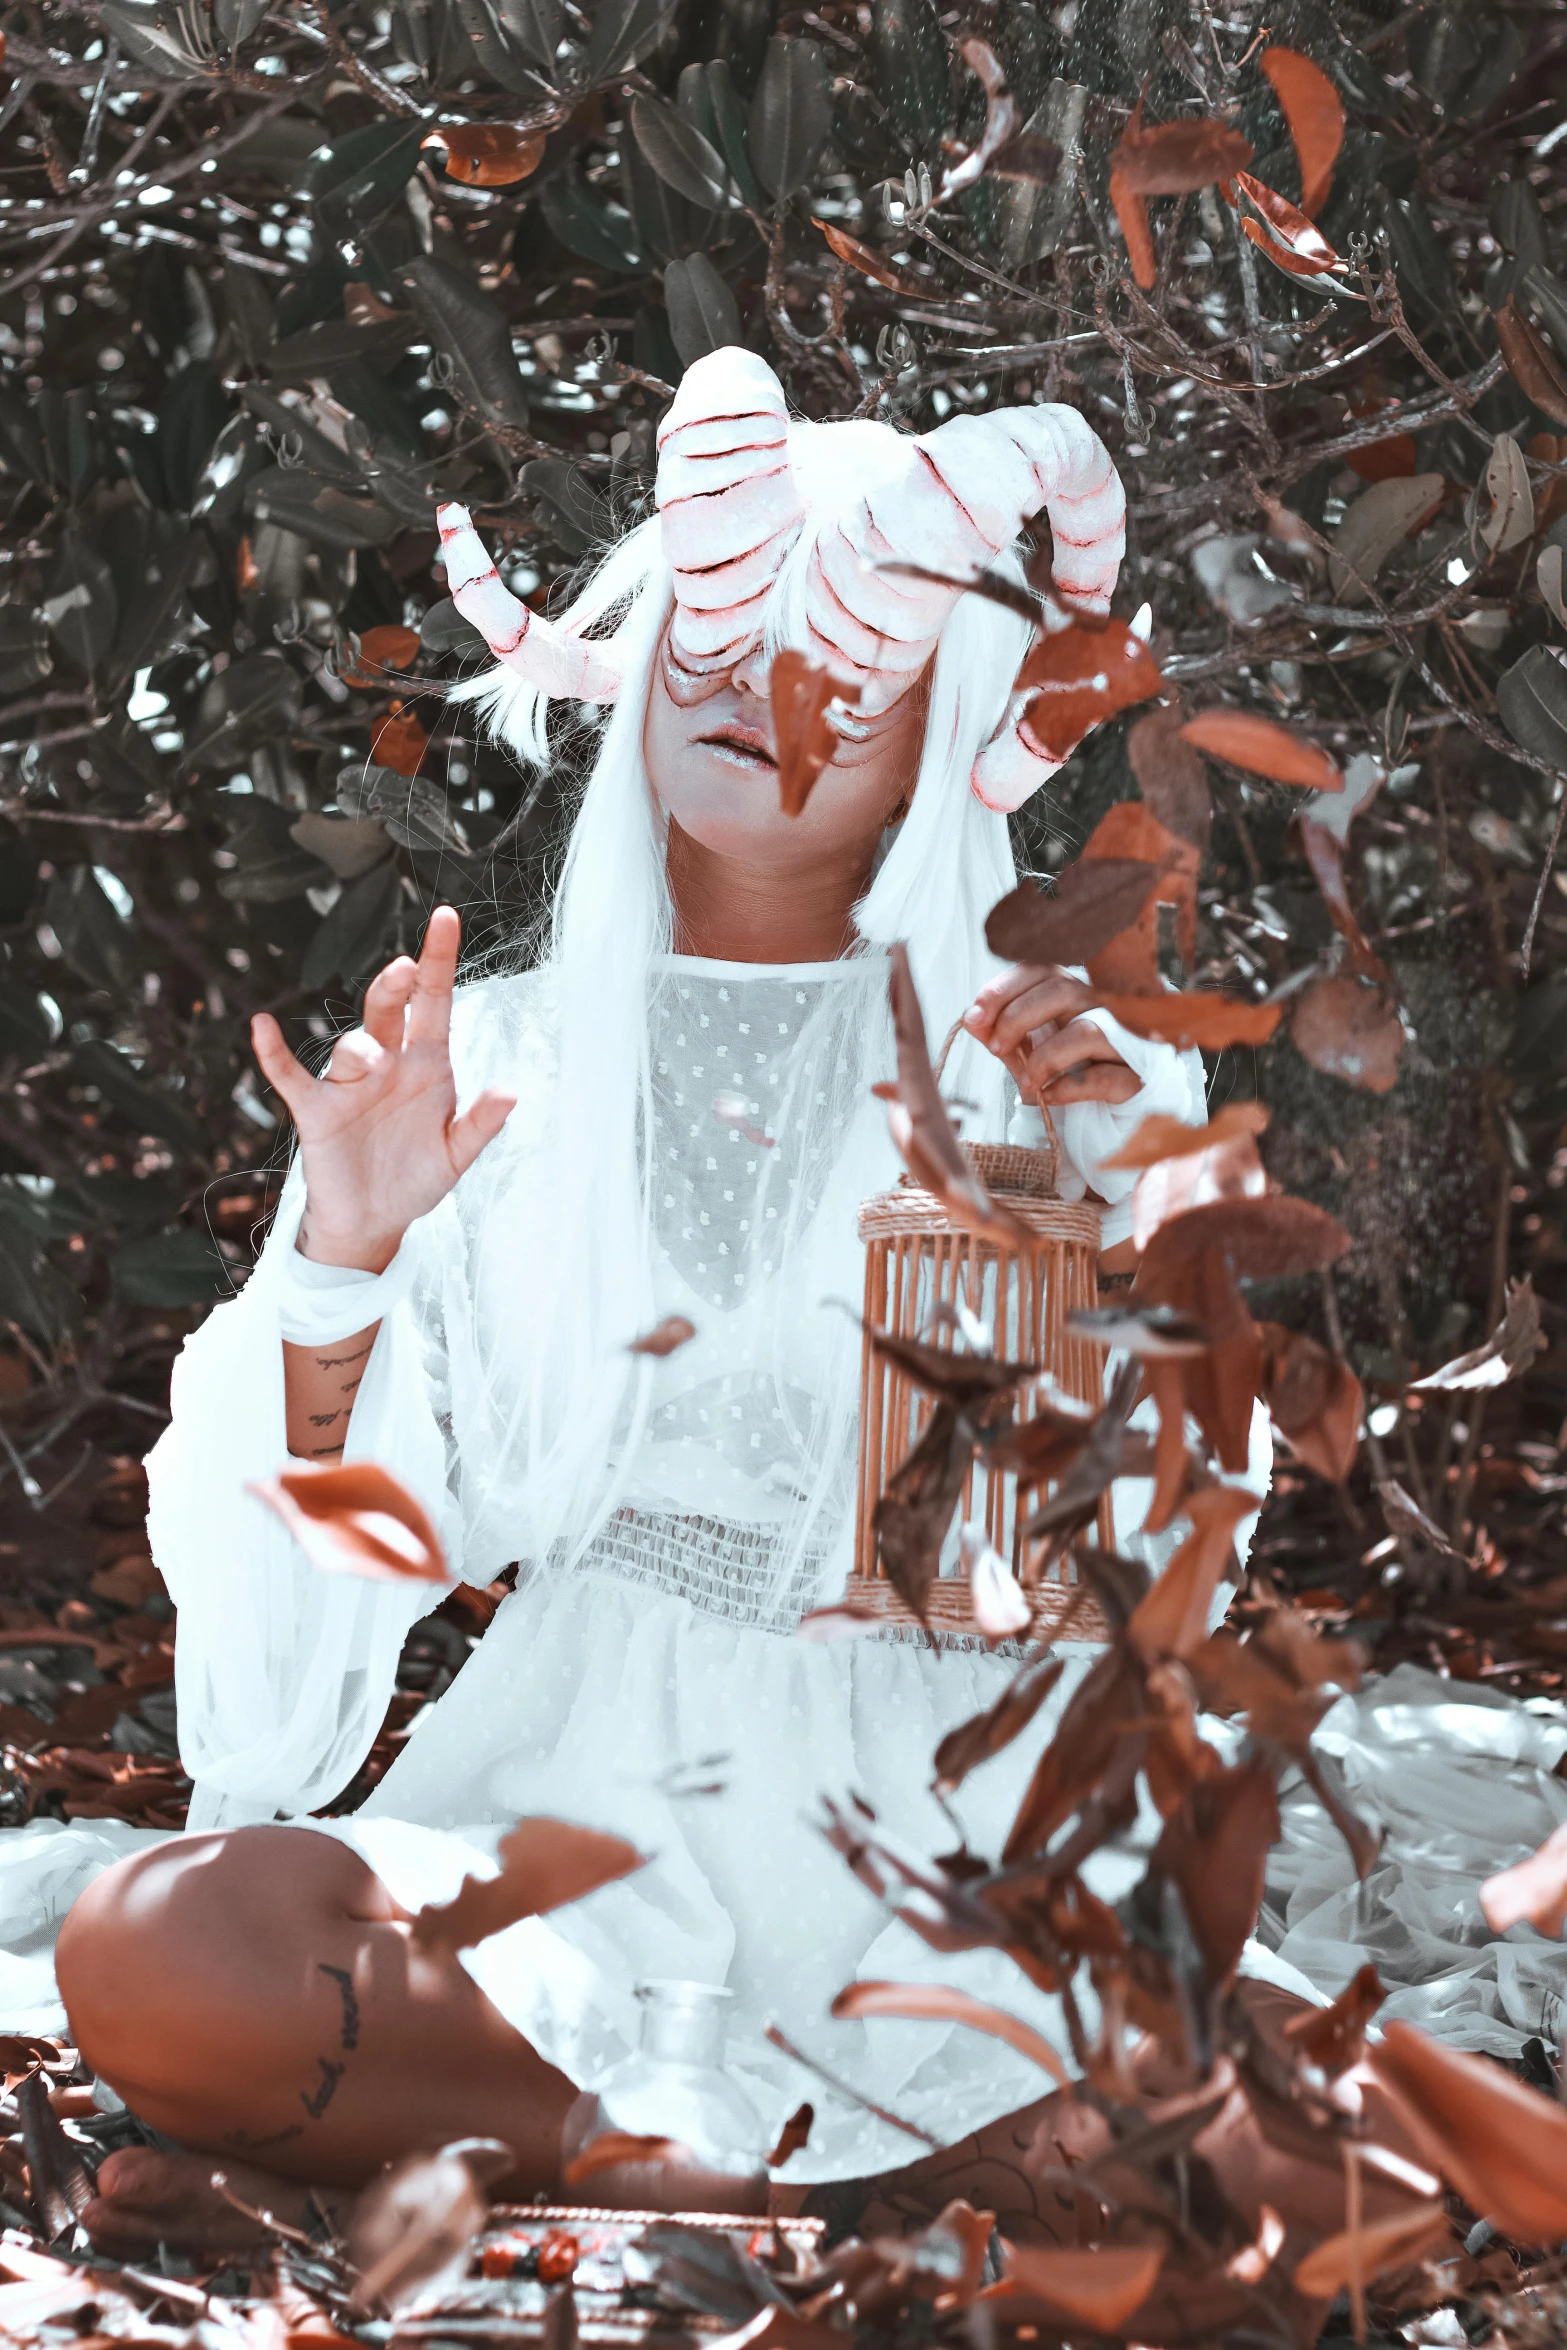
(1549, 295)
(623, 32)
(291, 431)
(270, 864)
(323, 512)
(25, 1024)
(536, 26)
(570, 507)
(360, 175)
(32, 1293)
(66, 421)
(24, 648)
(79, 603)
(914, 76)
(350, 938)
(444, 630)
(147, 624)
(587, 223)
(1538, 1049)
(413, 810)
(141, 1106)
(791, 114)
(505, 60)
(95, 941)
(171, 1269)
(1531, 700)
(703, 315)
(470, 328)
(1419, 262)
(392, 425)
(330, 345)
(19, 863)
(235, 20)
(21, 450)
(157, 35)
(727, 117)
(679, 153)
(256, 696)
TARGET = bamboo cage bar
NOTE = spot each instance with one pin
(918, 1261)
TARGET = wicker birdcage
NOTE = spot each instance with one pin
(917, 1260)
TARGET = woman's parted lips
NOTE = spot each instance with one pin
(733, 735)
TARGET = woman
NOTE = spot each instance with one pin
(671, 1115)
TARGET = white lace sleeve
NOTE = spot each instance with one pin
(283, 1674)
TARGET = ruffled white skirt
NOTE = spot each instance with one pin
(598, 1700)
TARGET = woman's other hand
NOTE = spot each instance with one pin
(379, 1135)
(1030, 1018)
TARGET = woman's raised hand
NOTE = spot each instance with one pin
(379, 1133)
(1030, 1018)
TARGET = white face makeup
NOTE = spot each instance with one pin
(710, 753)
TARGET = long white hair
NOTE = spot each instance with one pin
(576, 1401)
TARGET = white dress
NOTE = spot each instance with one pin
(609, 1681)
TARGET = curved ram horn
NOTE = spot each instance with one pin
(569, 668)
(728, 505)
(957, 497)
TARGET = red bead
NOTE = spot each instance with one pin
(557, 2258)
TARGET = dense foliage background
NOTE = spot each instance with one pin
(281, 277)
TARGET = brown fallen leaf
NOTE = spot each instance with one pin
(1290, 240)
(1357, 2255)
(941, 2003)
(1198, 1017)
(924, 1134)
(1333, 2038)
(914, 1511)
(356, 1519)
(990, 1732)
(1178, 158)
(1229, 1168)
(544, 1865)
(1159, 1138)
(1099, 2287)
(380, 650)
(1271, 1239)
(399, 742)
(802, 692)
(1129, 963)
(1351, 1031)
(1500, 2143)
(1079, 675)
(487, 154)
(414, 2223)
(1315, 114)
(674, 1331)
(1173, 1618)
(1532, 364)
(1324, 850)
(1407, 1519)
(1506, 1354)
(1092, 903)
(794, 2135)
(1214, 1848)
(613, 2147)
(1171, 777)
(1313, 1399)
(1263, 747)
(1532, 1891)
(866, 260)
(1379, 520)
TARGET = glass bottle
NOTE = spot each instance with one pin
(675, 2085)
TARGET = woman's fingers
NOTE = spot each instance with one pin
(1095, 1081)
(386, 1001)
(288, 1078)
(430, 1004)
(354, 1058)
(478, 1126)
(1028, 996)
(1082, 1050)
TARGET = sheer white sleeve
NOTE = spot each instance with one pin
(1172, 1086)
(283, 1674)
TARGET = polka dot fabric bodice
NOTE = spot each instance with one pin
(733, 1139)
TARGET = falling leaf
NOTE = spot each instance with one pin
(672, 1332)
(1407, 1519)
(1129, 962)
(1171, 777)
(1078, 676)
(381, 649)
(1099, 2288)
(1158, 1138)
(1271, 1239)
(990, 1732)
(413, 2224)
(1500, 2143)
(1210, 1022)
(914, 1511)
(941, 2003)
(1532, 364)
(1351, 1031)
(356, 1519)
(794, 2136)
(1160, 1331)
(399, 742)
(1000, 1604)
(1229, 1168)
(61, 2186)
(1263, 747)
(1178, 158)
(1290, 240)
(866, 260)
(1324, 847)
(802, 692)
(1315, 114)
(1360, 2254)
(611, 2148)
(1393, 459)
(1314, 1400)
(1532, 1891)
(1092, 903)
(1214, 1849)
(1132, 213)
(1334, 2038)
(1380, 518)
(487, 154)
(923, 1133)
(1251, 2264)
(1511, 519)
(1173, 1619)
(544, 1865)
(1506, 1354)
(1548, 572)
(1002, 119)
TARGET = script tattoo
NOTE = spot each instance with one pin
(345, 1984)
(331, 2074)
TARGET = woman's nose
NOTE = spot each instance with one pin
(753, 675)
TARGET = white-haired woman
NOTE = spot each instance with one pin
(493, 1195)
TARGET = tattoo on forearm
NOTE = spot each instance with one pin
(324, 1451)
(336, 1362)
(331, 2074)
(345, 1984)
(323, 1419)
